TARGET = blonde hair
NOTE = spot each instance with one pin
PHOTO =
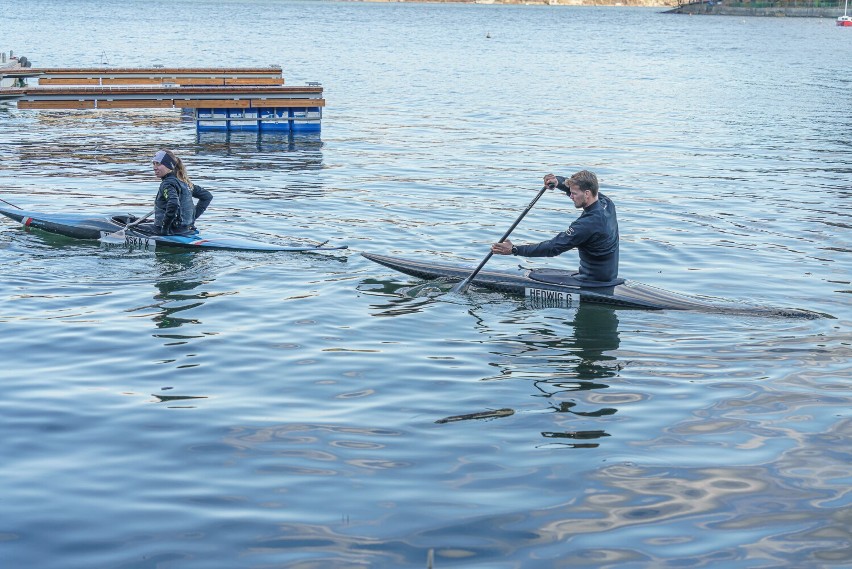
(179, 169)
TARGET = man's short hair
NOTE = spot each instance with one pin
(585, 180)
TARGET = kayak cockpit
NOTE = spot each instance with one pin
(568, 278)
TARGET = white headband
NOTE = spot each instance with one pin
(163, 158)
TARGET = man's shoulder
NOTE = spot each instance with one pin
(606, 203)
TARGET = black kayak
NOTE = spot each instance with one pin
(553, 287)
(93, 227)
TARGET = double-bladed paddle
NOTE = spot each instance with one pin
(462, 286)
(11, 204)
(118, 237)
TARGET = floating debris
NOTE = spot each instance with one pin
(575, 435)
(163, 398)
(480, 415)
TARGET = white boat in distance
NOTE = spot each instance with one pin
(844, 20)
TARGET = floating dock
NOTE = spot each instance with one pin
(222, 99)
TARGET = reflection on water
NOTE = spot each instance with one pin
(595, 332)
(180, 281)
(172, 284)
(626, 495)
(580, 359)
(237, 143)
(119, 144)
(404, 299)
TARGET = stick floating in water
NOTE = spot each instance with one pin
(480, 415)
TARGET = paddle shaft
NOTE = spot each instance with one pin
(462, 286)
(140, 220)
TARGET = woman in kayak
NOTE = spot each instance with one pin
(174, 210)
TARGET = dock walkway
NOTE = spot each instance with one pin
(221, 98)
(161, 75)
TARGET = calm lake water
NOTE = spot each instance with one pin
(198, 410)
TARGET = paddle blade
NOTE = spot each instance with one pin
(462, 286)
(116, 238)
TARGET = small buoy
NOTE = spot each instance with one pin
(488, 34)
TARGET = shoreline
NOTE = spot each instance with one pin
(670, 6)
(614, 3)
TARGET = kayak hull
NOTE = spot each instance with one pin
(629, 294)
(93, 227)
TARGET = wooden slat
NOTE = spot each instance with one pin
(198, 81)
(287, 103)
(11, 92)
(213, 103)
(63, 81)
(112, 71)
(260, 91)
(130, 81)
(23, 104)
(169, 103)
(195, 81)
(137, 104)
(254, 81)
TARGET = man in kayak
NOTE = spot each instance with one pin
(594, 234)
(174, 210)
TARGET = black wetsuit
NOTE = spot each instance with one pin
(174, 210)
(595, 236)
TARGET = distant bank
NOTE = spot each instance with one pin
(702, 7)
(716, 8)
(662, 3)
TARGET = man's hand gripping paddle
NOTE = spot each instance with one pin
(463, 285)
